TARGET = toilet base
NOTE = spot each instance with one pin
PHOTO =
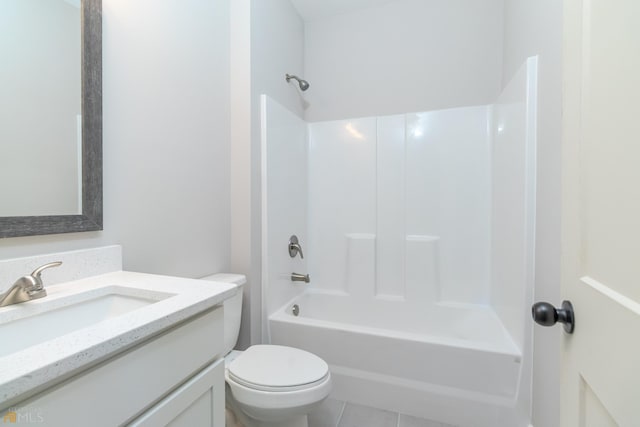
(294, 422)
(244, 421)
(237, 418)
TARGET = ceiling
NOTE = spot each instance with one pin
(311, 10)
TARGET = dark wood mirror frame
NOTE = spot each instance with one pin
(91, 217)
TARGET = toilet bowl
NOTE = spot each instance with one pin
(268, 385)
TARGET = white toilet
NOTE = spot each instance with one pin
(268, 385)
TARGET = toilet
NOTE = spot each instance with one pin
(268, 385)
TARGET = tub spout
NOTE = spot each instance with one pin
(296, 277)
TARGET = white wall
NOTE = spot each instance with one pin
(535, 28)
(241, 172)
(268, 38)
(166, 139)
(284, 205)
(277, 43)
(39, 105)
(404, 55)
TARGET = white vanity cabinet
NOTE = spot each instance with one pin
(175, 378)
(198, 402)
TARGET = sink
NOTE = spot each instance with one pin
(36, 324)
(83, 322)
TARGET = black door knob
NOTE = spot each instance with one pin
(546, 314)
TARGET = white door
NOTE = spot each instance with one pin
(601, 213)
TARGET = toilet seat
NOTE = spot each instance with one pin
(277, 368)
(271, 376)
(259, 387)
(250, 398)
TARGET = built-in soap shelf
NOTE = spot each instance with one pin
(418, 274)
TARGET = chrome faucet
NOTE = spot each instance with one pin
(296, 277)
(27, 288)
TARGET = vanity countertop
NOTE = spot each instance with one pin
(123, 309)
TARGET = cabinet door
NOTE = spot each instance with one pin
(198, 402)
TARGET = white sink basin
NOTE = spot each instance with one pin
(54, 318)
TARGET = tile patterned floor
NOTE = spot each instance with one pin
(335, 413)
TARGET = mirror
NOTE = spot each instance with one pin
(50, 117)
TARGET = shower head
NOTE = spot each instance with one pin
(304, 85)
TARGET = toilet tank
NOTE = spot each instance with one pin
(232, 308)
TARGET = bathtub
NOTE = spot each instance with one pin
(452, 363)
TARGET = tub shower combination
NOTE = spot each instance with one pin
(451, 358)
(418, 235)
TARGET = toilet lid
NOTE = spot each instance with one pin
(275, 366)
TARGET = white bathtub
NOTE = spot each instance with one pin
(451, 363)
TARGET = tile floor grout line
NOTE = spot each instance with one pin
(344, 405)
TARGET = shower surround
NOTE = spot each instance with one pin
(418, 236)
(399, 206)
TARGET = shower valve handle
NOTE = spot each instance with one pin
(294, 247)
(546, 314)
